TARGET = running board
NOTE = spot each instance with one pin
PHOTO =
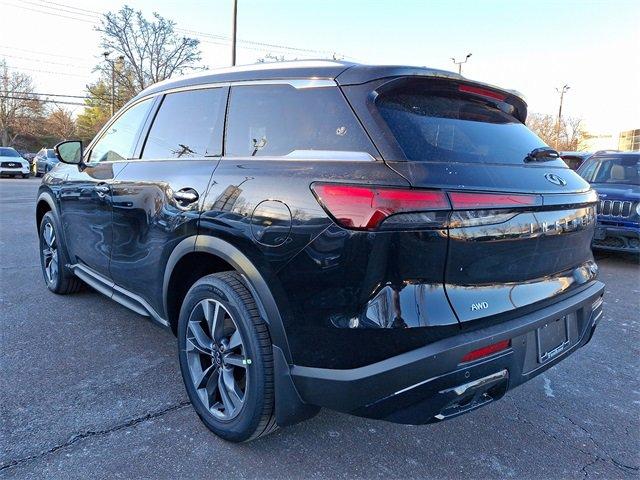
(115, 292)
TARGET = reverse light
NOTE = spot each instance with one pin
(486, 351)
(364, 207)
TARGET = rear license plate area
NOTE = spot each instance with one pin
(552, 339)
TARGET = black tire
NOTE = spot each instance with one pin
(59, 280)
(25, 176)
(38, 174)
(256, 416)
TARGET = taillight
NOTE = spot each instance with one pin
(472, 200)
(364, 207)
(486, 351)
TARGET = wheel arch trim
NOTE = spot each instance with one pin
(254, 281)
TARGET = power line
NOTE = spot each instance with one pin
(259, 46)
(48, 13)
(48, 71)
(43, 101)
(43, 61)
(7, 47)
(50, 95)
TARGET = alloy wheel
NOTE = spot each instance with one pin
(50, 253)
(217, 359)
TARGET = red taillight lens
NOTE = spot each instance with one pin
(364, 208)
(482, 92)
(486, 351)
(466, 200)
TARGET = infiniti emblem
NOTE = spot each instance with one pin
(555, 179)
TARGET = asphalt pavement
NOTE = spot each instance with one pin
(90, 389)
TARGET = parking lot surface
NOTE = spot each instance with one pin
(90, 389)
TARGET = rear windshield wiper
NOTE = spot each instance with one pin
(542, 154)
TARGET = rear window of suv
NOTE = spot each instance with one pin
(451, 127)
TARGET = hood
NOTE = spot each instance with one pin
(619, 191)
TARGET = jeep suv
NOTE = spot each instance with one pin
(390, 242)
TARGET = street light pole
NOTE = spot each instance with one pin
(466, 59)
(233, 33)
(561, 91)
(113, 78)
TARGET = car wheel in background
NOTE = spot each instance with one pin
(53, 260)
(226, 358)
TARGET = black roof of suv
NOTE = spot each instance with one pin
(343, 73)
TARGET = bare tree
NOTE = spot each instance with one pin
(545, 126)
(20, 109)
(152, 50)
(60, 124)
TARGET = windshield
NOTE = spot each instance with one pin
(619, 170)
(454, 128)
(51, 153)
(8, 152)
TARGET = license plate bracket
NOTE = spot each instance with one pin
(552, 339)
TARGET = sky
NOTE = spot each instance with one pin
(531, 46)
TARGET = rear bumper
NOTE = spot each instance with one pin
(617, 238)
(430, 384)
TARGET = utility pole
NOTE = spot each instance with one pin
(466, 59)
(233, 33)
(561, 91)
(113, 78)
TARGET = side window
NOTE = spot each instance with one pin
(188, 124)
(588, 171)
(276, 120)
(119, 141)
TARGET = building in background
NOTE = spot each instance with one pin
(629, 140)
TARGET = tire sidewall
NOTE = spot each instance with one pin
(242, 425)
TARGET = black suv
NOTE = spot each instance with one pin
(391, 242)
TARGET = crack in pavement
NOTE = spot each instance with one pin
(92, 433)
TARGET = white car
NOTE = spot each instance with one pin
(12, 164)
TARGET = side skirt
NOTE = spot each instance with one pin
(122, 296)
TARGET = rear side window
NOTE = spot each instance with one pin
(278, 120)
(188, 124)
(452, 127)
(119, 141)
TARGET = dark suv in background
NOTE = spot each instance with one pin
(391, 242)
(616, 178)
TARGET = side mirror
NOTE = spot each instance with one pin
(69, 152)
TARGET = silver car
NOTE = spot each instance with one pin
(12, 164)
(45, 160)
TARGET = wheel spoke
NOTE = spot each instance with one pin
(215, 313)
(199, 338)
(54, 265)
(234, 392)
(235, 360)
(235, 341)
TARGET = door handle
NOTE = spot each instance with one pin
(102, 189)
(186, 195)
